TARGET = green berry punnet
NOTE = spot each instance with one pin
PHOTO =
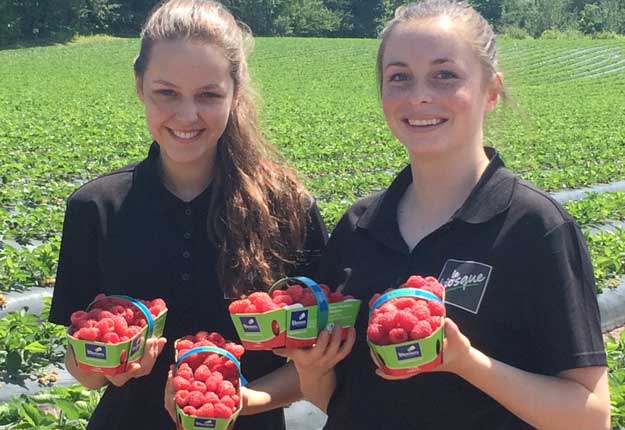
(407, 339)
(112, 358)
(209, 411)
(295, 316)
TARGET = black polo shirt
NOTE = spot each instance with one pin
(125, 233)
(519, 285)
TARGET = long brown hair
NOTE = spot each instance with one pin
(258, 210)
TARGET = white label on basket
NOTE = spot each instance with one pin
(206, 423)
(250, 325)
(406, 352)
(95, 351)
(299, 320)
(136, 344)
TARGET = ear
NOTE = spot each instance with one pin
(139, 87)
(493, 90)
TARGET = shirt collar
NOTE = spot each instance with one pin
(158, 195)
(490, 196)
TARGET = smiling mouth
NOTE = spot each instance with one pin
(185, 134)
(425, 122)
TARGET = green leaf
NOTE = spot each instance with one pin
(69, 408)
(35, 347)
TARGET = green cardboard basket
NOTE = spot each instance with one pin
(412, 356)
(190, 422)
(113, 359)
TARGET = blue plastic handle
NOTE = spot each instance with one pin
(322, 317)
(220, 351)
(404, 292)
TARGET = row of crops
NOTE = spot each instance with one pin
(69, 113)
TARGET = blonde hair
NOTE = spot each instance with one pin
(479, 32)
(258, 212)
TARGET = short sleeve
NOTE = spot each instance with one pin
(77, 280)
(562, 310)
(315, 242)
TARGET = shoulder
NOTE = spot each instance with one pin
(536, 209)
(105, 188)
(360, 212)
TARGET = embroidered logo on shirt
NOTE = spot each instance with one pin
(95, 351)
(250, 325)
(206, 423)
(299, 320)
(465, 283)
(407, 352)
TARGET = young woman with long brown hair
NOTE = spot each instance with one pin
(212, 212)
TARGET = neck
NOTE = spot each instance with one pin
(186, 181)
(441, 185)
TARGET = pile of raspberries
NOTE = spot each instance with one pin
(260, 302)
(207, 384)
(112, 320)
(407, 318)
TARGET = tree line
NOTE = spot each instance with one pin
(28, 20)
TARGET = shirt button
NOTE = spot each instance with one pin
(187, 211)
(187, 235)
(186, 254)
(185, 276)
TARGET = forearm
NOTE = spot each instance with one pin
(277, 389)
(545, 402)
(89, 380)
(318, 389)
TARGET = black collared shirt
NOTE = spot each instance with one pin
(125, 233)
(519, 285)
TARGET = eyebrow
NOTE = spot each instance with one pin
(171, 84)
(434, 62)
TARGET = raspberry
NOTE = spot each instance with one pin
(77, 317)
(287, 300)
(434, 288)
(277, 293)
(226, 389)
(106, 325)
(375, 333)
(406, 320)
(397, 335)
(236, 399)
(156, 310)
(88, 323)
(386, 320)
(403, 302)
(202, 373)
(421, 330)
(110, 337)
(435, 322)
(211, 397)
(158, 302)
(204, 342)
(89, 334)
(195, 399)
(207, 410)
(189, 410)
(234, 349)
(217, 376)
(105, 314)
(132, 330)
(222, 411)
(201, 335)
(212, 361)
(335, 297)
(325, 289)
(296, 292)
(227, 400)
(120, 324)
(415, 282)
(239, 306)
(308, 299)
(420, 310)
(185, 371)
(184, 344)
(436, 308)
(217, 339)
(265, 305)
(118, 310)
(181, 383)
(94, 313)
(250, 309)
(129, 315)
(182, 397)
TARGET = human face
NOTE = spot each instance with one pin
(434, 94)
(188, 92)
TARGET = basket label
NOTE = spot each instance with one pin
(406, 352)
(136, 344)
(250, 324)
(299, 320)
(206, 423)
(97, 352)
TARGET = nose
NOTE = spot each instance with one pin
(187, 110)
(420, 92)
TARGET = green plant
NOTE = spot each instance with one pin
(615, 349)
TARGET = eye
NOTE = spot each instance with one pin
(209, 95)
(398, 77)
(166, 92)
(446, 74)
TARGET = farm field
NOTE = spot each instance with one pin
(69, 113)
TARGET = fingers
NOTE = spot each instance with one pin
(170, 393)
(153, 348)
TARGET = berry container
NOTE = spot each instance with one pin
(113, 358)
(412, 356)
(191, 422)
